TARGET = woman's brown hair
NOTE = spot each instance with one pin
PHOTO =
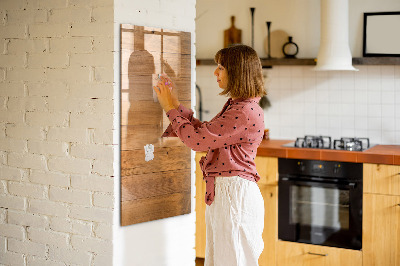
(245, 78)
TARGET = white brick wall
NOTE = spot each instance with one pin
(56, 124)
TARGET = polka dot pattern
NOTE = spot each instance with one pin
(231, 139)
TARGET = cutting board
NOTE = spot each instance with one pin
(232, 35)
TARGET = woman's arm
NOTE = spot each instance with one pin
(223, 131)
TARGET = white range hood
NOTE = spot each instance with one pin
(334, 51)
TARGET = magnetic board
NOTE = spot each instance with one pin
(155, 171)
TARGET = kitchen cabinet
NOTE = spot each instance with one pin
(200, 209)
(267, 168)
(381, 215)
(290, 253)
(381, 179)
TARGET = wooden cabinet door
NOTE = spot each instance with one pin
(297, 254)
(381, 179)
(200, 209)
(267, 168)
(381, 230)
(270, 233)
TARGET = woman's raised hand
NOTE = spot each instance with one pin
(174, 94)
(164, 94)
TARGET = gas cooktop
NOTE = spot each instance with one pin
(325, 142)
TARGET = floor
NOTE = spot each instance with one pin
(199, 262)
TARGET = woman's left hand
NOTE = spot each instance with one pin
(164, 96)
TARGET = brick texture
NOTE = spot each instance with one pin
(56, 105)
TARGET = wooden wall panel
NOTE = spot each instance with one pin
(161, 187)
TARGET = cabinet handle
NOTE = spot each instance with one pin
(318, 254)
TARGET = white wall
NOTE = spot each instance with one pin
(56, 119)
(338, 104)
(168, 241)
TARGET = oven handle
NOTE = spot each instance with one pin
(298, 181)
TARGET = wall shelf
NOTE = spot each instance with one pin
(312, 61)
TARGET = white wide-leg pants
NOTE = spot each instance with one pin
(234, 223)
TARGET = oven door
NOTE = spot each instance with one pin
(321, 212)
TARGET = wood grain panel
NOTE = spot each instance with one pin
(200, 209)
(140, 88)
(381, 178)
(136, 137)
(270, 233)
(381, 230)
(149, 209)
(161, 187)
(143, 112)
(291, 253)
(154, 184)
(165, 159)
(267, 168)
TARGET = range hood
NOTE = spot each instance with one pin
(334, 51)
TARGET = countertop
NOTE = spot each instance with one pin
(379, 154)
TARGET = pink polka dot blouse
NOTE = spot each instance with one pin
(231, 139)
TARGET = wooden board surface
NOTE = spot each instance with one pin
(161, 187)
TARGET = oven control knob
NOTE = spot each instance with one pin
(336, 169)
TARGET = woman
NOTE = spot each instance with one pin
(235, 207)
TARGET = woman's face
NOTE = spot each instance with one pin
(222, 76)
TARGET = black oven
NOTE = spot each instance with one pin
(320, 202)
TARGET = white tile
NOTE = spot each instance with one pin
(374, 110)
(322, 95)
(361, 110)
(374, 97)
(285, 71)
(397, 134)
(388, 124)
(335, 122)
(334, 81)
(348, 123)
(348, 96)
(374, 83)
(347, 109)
(321, 83)
(335, 95)
(361, 97)
(322, 122)
(285, 83)
(387, 71)
(297, 71)
(286, 120)
(297, 83)
(348, 132)
(375, 136)
(388, 137)
(397, 71)
(310, 109)
(388, 110)
(361, 123)
(388, 84)
(322, 109)
(334, 109)
(310, 95)
(397, 84)
(360, 133)
(388, 97)
(374, 123)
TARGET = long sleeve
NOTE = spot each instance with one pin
(222, 131)
(186, 113)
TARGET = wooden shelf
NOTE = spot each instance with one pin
(312, 61)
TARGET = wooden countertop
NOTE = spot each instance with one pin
(379, 154)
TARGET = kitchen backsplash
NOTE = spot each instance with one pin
(338, 104)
